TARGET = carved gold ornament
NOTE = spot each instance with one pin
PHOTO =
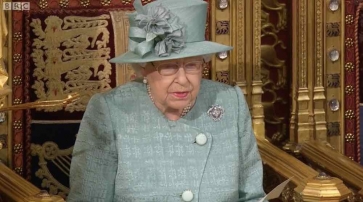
(19, 170)
(43, 4)
(349, 137)
(349, 42)
(349, 114)
(349, 66)
(82, 66)
(349, 89)
(17, 101)
(288, 193)
(120, 23)
(297, 197)
(333, 80)
(49, 153)
(18, 148)
(349, 19)
(333, 129)
(356, 196)
(17, 80)
(272, 64)
(17, 36)
(222, 27)
(333, 29)
(105, 2)
(223, 77)
(17, 57)
(63, 3)
(85, 3)
(17, 124)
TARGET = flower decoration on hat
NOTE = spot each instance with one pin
(157, 29)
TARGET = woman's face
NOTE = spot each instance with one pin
(174, 83)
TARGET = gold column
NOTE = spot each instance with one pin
(257, 107)
(308, 118)
(220, 16)
(238, 34)
(315, 77)
(310, 63)
(294, 74)
(335, 69)
(244, 18)
(339, 141)
(319, 90)
(304, 125)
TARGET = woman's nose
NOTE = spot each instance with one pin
(181, 76)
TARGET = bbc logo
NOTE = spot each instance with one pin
(16, 6)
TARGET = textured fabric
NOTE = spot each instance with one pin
(139, 155)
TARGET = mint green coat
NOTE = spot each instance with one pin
(127, 151)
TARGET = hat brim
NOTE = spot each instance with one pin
(190, 50)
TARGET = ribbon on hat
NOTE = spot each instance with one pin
(158, 29)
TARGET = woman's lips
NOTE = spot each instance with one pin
(180, 95)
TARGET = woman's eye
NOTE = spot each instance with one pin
(171, 66)
(192, 66)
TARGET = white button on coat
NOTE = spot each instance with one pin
(187, 195)
(201, 139)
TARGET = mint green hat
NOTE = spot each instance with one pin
(168, 29)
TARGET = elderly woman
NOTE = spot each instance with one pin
(171, 136)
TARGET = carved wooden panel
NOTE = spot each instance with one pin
(276, 67)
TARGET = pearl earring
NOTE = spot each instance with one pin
(144, 80)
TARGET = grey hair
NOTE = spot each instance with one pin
(137, 66)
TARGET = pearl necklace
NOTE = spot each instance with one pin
(185, 110)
